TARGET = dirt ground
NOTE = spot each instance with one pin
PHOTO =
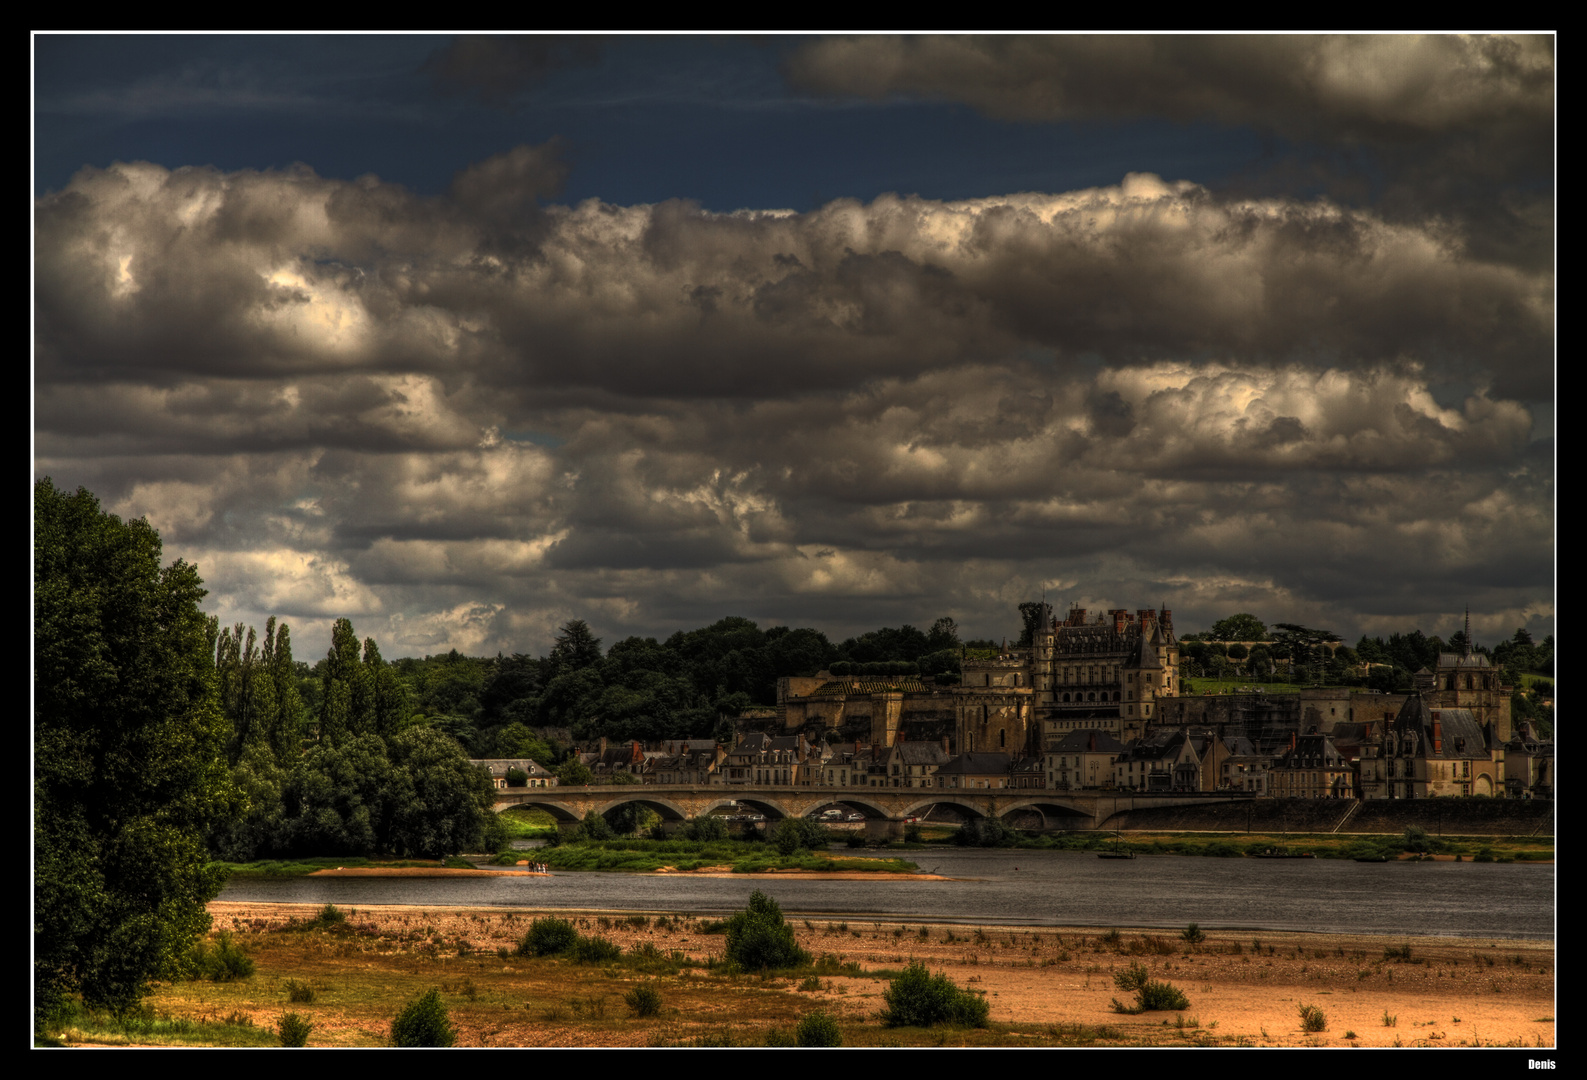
(1044, 984)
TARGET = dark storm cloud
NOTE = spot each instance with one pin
(1459, 125)
(1368, 88)
(498, 67)
(464, 419)
(243, 274)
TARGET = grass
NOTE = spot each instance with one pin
(742, 856)
(364, 970)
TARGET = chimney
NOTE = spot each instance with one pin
(1120, 617)
(1438, 733)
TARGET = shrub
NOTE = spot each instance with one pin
(223, 962)
(1312, 1019)
(1150, 995)
(758, 938)
(791, 834)
(293, 1029)
(917, 998)
(706, 828)
(1157, 996)
(595, 950)
(299, 993)
(644, 1000)
(548, 937)
(818, 1029)
(330, 916)
(1193, 934)
(423, 1022)
(1416, 840)
(1131, 978)
(982, 832)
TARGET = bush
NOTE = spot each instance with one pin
(982, 832)
(595, 950)
(222, 963)
(643, 1000)
(548, 937)
(1131, 978)
(299, 993)
(919, 999)
(1150, 995)
(1160, 996)
(791, 834)
(423, 1022)
(758, 938)
(293, 1029)
(1193, 934)
(1312, 1019)
(706, 828)
(818, 1029)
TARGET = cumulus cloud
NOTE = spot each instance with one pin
(464, 419)
(1457, 125)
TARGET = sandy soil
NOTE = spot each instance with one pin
(1453, 992)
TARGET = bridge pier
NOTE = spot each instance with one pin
(884, 829)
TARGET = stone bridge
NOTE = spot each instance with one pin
(886, 810)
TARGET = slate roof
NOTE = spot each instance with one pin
(978, 764)
(1088, 741)
(1461, 735)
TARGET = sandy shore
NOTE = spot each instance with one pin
(1451, 992)
(704, 871)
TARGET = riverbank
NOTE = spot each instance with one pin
(1047, 986)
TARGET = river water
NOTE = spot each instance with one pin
(1032, 888)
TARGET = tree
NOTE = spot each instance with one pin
(1241, 627)
(129, 741)
(758, 939)
(1036, 618)
(576, 648)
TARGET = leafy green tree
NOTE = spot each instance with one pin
(576, 648)
(1241, 627)
(285, 734)
(439, 804)
(596, 827)
(791, 834)
(574, 772)
(129, 769)
(342, 690)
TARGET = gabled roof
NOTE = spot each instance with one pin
(1460, 735)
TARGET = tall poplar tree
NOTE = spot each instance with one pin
(341, 690)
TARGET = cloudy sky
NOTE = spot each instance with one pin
(463, 337)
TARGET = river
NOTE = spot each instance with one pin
(1031, 888)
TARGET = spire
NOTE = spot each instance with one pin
(1466, 648)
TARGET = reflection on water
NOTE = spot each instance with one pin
(1034, 888)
